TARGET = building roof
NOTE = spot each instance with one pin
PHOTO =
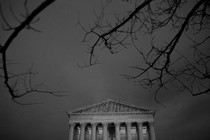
(109, 106)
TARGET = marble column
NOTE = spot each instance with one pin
(117, 131)
(105, 131)
(140, 130)
(82, 131)
(128, 130)
(93, 131)
(152, 131)
(71, 131)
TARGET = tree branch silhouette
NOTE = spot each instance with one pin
(164, 64)
(26, 78)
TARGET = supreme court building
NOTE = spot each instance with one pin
(111, 120)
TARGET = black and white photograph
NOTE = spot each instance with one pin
(105, 69)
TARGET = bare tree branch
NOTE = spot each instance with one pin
(26, 78)
(164, 65)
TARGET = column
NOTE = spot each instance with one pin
(128, 130)
(151, 131)
(105, 131)
(117, 131)
(71, 131)
(93, 131)
(82, 131)
(140, 130)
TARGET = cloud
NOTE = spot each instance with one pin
(187, 119)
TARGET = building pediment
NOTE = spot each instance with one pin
(109, 106)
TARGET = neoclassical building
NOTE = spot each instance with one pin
(111, 120)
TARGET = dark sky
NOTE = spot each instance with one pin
(56, 53)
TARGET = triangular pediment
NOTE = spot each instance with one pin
(109, 106)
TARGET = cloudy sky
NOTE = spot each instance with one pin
(56, 53)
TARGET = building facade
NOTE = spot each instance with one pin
(111, 120)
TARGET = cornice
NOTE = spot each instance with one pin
(112, 113)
